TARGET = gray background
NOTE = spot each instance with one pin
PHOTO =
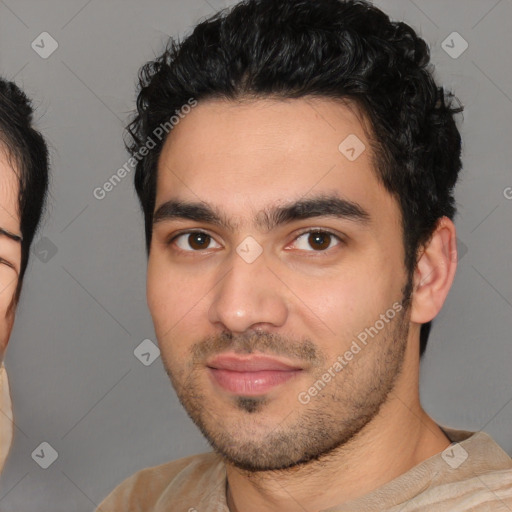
(76, 382)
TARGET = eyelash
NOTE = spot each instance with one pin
(174, 237)
(9, 264)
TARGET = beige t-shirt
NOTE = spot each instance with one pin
(472, 474)
(6, 421)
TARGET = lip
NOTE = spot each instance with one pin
(250, 375)
(251, 363)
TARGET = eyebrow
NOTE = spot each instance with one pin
(12, 236)
(319, 206)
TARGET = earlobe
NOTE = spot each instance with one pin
(434, 273)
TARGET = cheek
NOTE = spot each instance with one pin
(159, 292)
(8, 282)
(172, 295)
(342, 303)
(349, 298)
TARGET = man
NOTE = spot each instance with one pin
(296, 167)
(23, 190)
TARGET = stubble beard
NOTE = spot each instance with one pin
(310, 432)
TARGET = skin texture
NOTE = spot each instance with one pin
(301, 304)
(10, 250)
(10, 260)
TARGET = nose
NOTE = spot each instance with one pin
(249, 296)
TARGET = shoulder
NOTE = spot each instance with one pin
(187, 478)
(486, 492)
(474, 473)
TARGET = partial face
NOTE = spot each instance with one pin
(276, 259)
(10, 250)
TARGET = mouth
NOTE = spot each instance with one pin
(250, 375)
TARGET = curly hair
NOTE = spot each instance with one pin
(28, 155)
(335, 49)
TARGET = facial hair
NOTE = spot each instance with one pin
(313, 431)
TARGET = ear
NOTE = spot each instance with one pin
(434, 273)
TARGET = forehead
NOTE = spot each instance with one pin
(231, 154)
(9, 189)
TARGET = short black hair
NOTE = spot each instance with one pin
(28, 155)
(336, 49)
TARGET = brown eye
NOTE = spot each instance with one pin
(198, 240)
(319, 241)
(194, 241)
(316, 241)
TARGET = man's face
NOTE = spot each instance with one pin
(10, 250)
(246, 326)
